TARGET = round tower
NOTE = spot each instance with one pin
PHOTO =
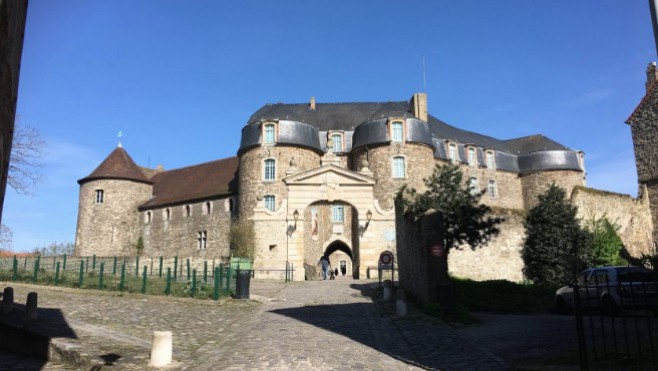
(271, 150)
(108, 219)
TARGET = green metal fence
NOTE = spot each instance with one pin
(185, 277)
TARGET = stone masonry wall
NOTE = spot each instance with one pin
(419, 161)
(251, 181)
(536, 183)
(110, 228)
(509, 193)
(500, 259)
(179, 235)
(631, 215)
(411, 257)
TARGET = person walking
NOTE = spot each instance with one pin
(324, 263)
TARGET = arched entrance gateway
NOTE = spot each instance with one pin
(329, 210)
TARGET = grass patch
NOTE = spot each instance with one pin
(501, 296)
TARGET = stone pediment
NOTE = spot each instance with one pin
(329, 175)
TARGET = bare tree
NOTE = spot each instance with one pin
(25, 161)
(5, 238)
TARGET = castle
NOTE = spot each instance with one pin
(320, 178)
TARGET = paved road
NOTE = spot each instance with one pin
(325, 325)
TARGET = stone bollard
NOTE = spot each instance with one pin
(31, 306)
(388, 292)
(161, 349)
(8, 300)
(400, 303)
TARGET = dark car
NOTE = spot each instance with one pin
(611, 289)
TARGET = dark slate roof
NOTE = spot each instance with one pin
(204, 181)
(347, 116)
(118, 165)
(331, 116)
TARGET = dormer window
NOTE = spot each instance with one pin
(452, 152)
(397, 131)
(337, 140)
(489, 159)
(269, 133)
(472, 157)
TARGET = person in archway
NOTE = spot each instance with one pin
(324, 263)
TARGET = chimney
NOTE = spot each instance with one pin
(652, 76)
(311, 104)
(419, 105)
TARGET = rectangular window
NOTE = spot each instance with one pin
(202, 240)
(269, 133)
(270, 169)
(452, 152)
(491, 189)
(338, 213)
(399, 170)
(99, 196)
(268, 202)
(472, 159)
(338, 143)
(396, 131)
(490, 160)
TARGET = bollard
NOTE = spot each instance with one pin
(31, 306)
(161, 349)
(400, 303)
(387, 290)
(8, 300)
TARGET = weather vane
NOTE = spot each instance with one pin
(120, 135)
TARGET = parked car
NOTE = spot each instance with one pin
(611, 289)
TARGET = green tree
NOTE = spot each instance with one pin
(242, 238)
(555, 247)
(605, 244)
(464, 221)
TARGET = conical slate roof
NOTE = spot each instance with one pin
(118, 165)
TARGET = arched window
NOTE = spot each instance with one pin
(489, 157)
(399, 170)
(338, 143)
(269, 134)
(268, 202)
(491, 189)
(269, 169)
(147, 217)
(473, 184)
(397, 133)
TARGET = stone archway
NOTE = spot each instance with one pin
(341, 257)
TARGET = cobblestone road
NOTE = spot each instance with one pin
(326, 325)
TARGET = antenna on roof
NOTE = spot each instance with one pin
(424, 76)
(120, 135)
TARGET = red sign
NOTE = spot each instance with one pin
(386, 258)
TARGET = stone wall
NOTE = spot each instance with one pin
(631, 215)
(419, 160)
(509, 193)
(251, 170)
(535, 184)
(412, 257)
(500, 259)
(180, 234)
(112, 227)
(12, 27)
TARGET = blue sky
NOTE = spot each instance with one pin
(180, 79)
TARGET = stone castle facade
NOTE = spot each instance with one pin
(321, 178)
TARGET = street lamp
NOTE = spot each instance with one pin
(368, 218)
(295, 215)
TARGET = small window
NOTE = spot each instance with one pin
(166, 214)
(491, 189)
(269, 134)
(207, 208)
(489, 159)
(270, 169)
(452, 152)
(397, 131)
(147, 217)
(472, 158)
(202, 240)
(99, 196)
(473, 185)
(187, 211)
(268, 202)
(337, 139)
(338, 213)
(399, 170)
